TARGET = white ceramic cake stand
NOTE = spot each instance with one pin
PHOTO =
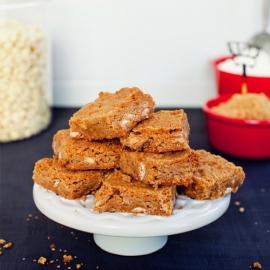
(124, 233)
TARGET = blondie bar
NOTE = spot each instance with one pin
(80, 154)
(120, 193)
(213, 178)
(164, 131)
(111, 115)
(66, 183)
(170, 168)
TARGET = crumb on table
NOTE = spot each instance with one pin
(42, 260)
(237, 203)
(8, 245)
(257, 265)
(2, 241)
(241, 209)
(67, 258)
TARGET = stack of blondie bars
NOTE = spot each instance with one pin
(132, 159)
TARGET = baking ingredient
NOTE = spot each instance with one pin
(24, 108)
(259, 67)
(245, 106)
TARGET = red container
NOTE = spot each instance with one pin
(231, 83)
(237, 137)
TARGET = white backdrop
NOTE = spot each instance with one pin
(163, 47)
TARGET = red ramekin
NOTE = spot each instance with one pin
(237, 137)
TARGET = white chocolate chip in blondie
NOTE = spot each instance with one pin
(56, 183)
(228, 190)
(74, 134)
(124, 122)
(90, 160)
(145, 112)
(141, 170)
(138, 210)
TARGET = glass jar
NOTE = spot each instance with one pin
(25, 69)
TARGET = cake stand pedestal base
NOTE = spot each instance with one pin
(130, 246)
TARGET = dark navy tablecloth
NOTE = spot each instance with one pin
(235, 241)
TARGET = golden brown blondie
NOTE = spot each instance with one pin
(213, 178)
(164, 131)
(111, 115)
(80, 154)
(66, 183)
(170, 168)
(120, 193)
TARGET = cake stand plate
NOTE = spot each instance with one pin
(124, 233)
